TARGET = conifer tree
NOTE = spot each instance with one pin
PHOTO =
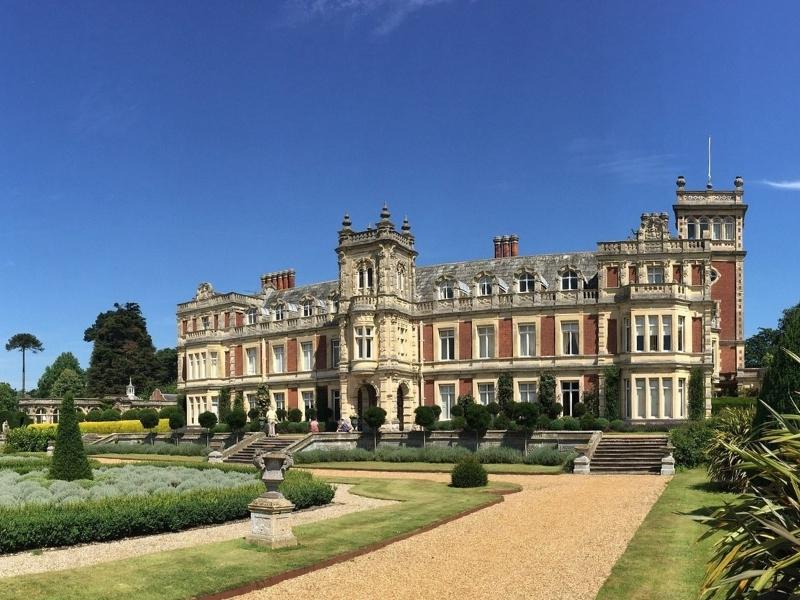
(505, 390)
(782, 378)
(69, 456)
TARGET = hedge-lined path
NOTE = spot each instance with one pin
(24, 563)
(556, 539)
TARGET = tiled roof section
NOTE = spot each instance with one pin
(321, 291)
(546, 265)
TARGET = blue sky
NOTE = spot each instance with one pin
(148, 146)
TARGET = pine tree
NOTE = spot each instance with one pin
(782, 378)
(69, 456)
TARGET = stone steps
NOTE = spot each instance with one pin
(247, 454)
(629, 454)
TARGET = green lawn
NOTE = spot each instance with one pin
(212, 568)
(423, 467)
(665, 560)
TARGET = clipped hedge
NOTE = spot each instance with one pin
(106, 427)
(469, 473)
(37, 526)
(160, 448)
(29, 439)
(303, 490)
(723, 402)
(546, 455)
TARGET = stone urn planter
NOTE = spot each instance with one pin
(270, 512)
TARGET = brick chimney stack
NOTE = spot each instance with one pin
(280, 280)
(514, 244)
(497, 249)
(506, 245)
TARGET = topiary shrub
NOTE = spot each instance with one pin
(578, 410)
(477, 419)
(94, 415)
(588, 422)
(304, 491)
(437, 411)
(556, 425)
(501, 421)
(459, 423)
(457, 411)
(545, 455)
(425, 418)
(697, 394)
(617, 425)
(602, 424)
(571, 424)
(468, 473)
(295, 415)
(280, 413)
(176, 421)
(493, 408)
(69, 457)
(28, 439)
(131, 415)
(236, 420)
(543, 422)
(110, 414)
(207, 419)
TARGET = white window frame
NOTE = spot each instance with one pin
(485, 286)
(335, 353)
(691, 229)
(279, 398)
(654, 386)
(569, 280)
(447, 399)
(252, 316)
(278, 314)
(364, 336)
(681, 333)
(307, 352)
(446, 290)
(252, 361)
(570, 396)
(729, 229)
(308, 308)
(486, 392)
(279, 358)
(666, 393)
(526, 333)
(655, 274)
(666, 333)
(570, 338)
(652, 333)
(626, 334)
(526, 283)
(447, 343)
(528, 391)
(485, 337)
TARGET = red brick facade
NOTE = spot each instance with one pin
(612, 277)
(427, 343)
(464, 387)
(465, 340)
(611, 336)
(590, 334)
(430, 397)
(291, 355)
(292, 397)
(697, 275)
(548, 336)
(238, 368)
(321, 353)
(505, 344)
(697, 334)
(677, 274)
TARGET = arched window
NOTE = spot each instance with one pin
(365, 277)
(278, 316)
(446, 291)
(703, 227)
(569, 280)
(252, 316)
(728, 231)
(716, 229)
(334, 303)
(691, 229)
(485, 286)
(525, 283)
(308, 308)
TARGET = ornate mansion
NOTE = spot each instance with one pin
(391, 333)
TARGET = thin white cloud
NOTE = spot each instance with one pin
(609, 158)
(384, 16)
(783, 185)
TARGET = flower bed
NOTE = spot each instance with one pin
(106, 427)
(544, 455)
(160, 448)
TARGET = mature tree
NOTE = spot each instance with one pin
(65, 360)
(759, 349)
(505, 390)
(68, 381)
(167, 370)
(69, 457)
(782, 378)
(122, 349)
(24, 342)
(8, 398)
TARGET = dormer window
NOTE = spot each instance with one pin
(525, 283)
(485, 286)
(569, 280)
(279, 312)
(655, 274)
(308, 308)
(446, 290)
(365, 277)
(252, 316)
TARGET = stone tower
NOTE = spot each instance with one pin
(717, 218)
(378, 336)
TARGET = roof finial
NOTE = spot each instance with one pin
(708, 183)
(346, 222)
(385, 212)
(406, 225)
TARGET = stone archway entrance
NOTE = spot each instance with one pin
(367, 396)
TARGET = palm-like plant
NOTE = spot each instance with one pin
(24, 342)
(759, 553)
(735, 426)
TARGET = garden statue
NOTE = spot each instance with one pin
(272, 419)
(270, 512)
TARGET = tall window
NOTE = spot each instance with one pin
(446, 291)
(654, 396)
(628, 408)
(681, 397)
(308, 308)
(526, 283)
(655, 274)
(641, 397)
(666, 389)
(307, 350)
(401, 279)
(252, 316)
(252, 361)
(527, 391)
(691, 229)
(666, 333)
(652, 326)
(486, 393)
(278, 362)
(527, 340)
(569, 280)
(214, 364)
(716, 228)
(447, 396)
(279, 312)
(486, 342)
(569, 337)
(334, 353)
(626, 334)
(363, 342)
(570, 395)
(280, 400)
(365, 277)
(447, 344)
(206, 322)
(308, 401)
(728, 228)
(485, 286)
(703, 227)
(215, 405)
(681, 332)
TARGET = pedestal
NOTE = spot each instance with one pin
(668, 465)
(269, 521)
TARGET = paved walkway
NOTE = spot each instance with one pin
(557, 539)
(24, 563)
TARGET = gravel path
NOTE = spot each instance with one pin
(557, 539)
(79, 556)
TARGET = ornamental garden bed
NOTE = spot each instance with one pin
(129, 500)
